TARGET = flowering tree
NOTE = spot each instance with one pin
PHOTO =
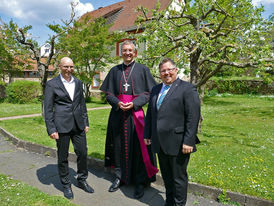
(206, 37)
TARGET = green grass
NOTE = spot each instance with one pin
(8, 109)
(236, 150)
(14, 193)
(33, 129)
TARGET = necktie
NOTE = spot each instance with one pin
(162, 96)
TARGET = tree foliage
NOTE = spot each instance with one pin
(13, 58)
(89, 44)
(206, 37)
(22, 40)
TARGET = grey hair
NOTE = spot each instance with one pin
(128, 42)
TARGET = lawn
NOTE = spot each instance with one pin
(14, 193)
(8, 109)
(236, 150)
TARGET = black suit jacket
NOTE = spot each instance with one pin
(60, 111)
(177, 120)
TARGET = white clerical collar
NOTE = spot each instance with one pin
(128, 64)
(64, 80)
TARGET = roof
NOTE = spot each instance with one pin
(34, 66)
(123, 14)
(31, 65)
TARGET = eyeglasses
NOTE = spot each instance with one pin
(167, 70)
(68, 67)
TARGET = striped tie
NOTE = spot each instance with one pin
(162, 96)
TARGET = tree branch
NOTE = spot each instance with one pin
(172, 48)
(212, 73)
(206, 58)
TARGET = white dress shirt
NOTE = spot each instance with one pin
(70, 86)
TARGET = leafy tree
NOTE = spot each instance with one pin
(12, 56)
(206, 37)
(23, 37)
(89, 44)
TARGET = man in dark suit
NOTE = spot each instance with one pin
(170, 127)
(66, 119)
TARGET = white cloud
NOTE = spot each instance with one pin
(83, 8)
(38, 13)
(41, 11)
(263, 2)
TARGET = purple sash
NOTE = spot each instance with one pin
(139, 123)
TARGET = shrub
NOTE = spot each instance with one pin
(24, 92)
(103, 97)
(240, 86)
(2, 91)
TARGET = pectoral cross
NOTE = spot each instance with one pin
(126, 85)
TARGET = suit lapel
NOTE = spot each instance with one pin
(155, 97)
(76, 89)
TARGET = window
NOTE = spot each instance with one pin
(96, 80)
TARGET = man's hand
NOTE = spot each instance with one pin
(125, 106)
(147, 141)
(187, 149)
(86, 129)
(54, 135)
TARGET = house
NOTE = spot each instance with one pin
(30, 71)
(123, 16)
(45, 50)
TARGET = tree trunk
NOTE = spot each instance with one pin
(201, 95)
(43, 71)
(194, 78)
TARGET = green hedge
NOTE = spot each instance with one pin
(24, 92)
(240, 86)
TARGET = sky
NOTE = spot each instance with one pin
(38, 13)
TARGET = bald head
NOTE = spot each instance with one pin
(67, 68)
(65, 60)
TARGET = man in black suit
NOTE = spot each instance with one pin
(66, 119)
(170, 127)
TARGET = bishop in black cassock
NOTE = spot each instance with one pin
(125, 150)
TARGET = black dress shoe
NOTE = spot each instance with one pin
(68, 193)
(115, 185)
(84, 185)
(139, 191)
(169, 203)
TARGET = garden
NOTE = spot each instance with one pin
(236, 146)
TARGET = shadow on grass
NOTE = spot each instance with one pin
(254, 111)
(212, 102)
(205, 142)
(97, 155)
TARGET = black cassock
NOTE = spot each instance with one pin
(122, 149)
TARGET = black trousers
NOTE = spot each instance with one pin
(174, 173)
(79, 142)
